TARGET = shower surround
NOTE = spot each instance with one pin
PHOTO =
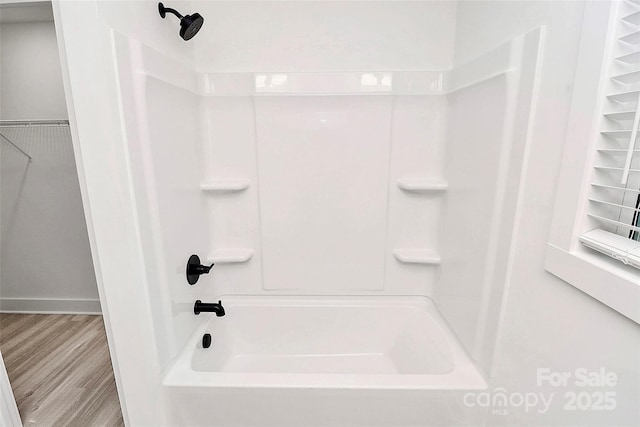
(355, 190)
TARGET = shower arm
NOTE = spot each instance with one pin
(163, 11)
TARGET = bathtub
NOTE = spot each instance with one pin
(315, 342)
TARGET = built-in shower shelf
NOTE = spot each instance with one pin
(421, 185)
(231, 256)
(416, 256)
(633, 19)
(630, 58)
(621, 115)
(622, 133)
(624, 96)
(630, 77)
(225, 185)
(631, 38)
(616, 152)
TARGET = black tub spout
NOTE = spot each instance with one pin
(208, 307)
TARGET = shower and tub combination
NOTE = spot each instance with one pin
(356, 193)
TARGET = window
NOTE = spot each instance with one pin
(614, 197)
(595, 237)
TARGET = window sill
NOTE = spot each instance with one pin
(601, 277)
(617, 247)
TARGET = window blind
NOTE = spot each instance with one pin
(614, 197)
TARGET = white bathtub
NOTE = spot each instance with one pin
(314, 342)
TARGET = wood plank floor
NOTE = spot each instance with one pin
(60, 369)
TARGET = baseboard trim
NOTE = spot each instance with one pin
(50, 306)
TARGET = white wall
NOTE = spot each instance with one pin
(325, 35)
(548, 323)
(46, 259)
(45, 255)
(31, 83)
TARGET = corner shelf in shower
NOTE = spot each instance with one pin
(633, 38)
(417, 256)
(621, 115)
(231, 256)
(422, 185)
(621, 133)
(624, 97)
(225, 185)
(628, 77)
(630, 58)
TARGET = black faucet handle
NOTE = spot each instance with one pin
(195, 269)
(199, 269)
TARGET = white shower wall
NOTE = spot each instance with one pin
(365, 144)
(490, 120)
(314, 36)
(329, 221)
(192, 133)
(328, 182)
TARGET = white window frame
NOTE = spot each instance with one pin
(605, 279)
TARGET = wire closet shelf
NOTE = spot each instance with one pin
(26, 123)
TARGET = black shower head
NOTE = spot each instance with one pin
(189, 24)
